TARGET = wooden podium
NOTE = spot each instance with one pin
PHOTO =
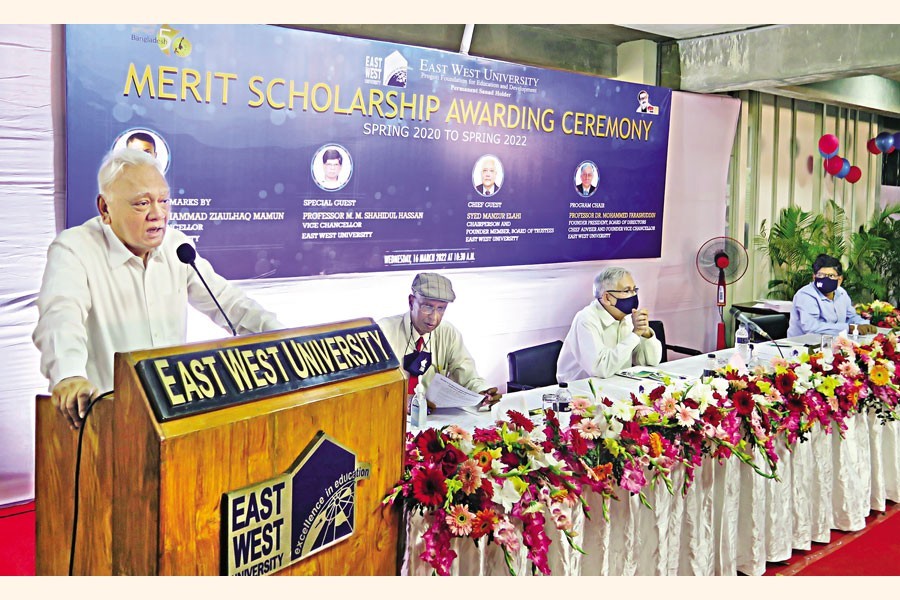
(151, 491)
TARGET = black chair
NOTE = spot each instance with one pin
(660, 331)
(533, 367)
(775, 325)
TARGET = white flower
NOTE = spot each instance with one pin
(613, 429)
(537, 436)
(546, 460)
(466, 446)
(702, 394)
(719, 384)
(507, 495)
(620, 410)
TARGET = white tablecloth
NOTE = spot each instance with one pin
(730, 520)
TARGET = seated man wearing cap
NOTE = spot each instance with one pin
(426, 344)
(609, 334)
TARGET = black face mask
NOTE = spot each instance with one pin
(826, 285)
(417, 362)
(626, 305)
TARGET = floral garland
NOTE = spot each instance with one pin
(497, 484)
(880, 314)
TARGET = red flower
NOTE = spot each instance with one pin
(579, 446)
(429, 487)
(794, 403)
(712, 415)
(520, 420)
(430, 444)
(784, 382)
(483, 523)
(510, 459)
(451, 459)
(743, 402)
(486, 436)
(657, 393)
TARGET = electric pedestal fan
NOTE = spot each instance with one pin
(721, 261)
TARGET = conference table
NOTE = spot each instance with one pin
(730, 520)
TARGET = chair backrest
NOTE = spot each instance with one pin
(534, 366)
(660, 332)
(775, 325)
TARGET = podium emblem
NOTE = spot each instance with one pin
(271, 525)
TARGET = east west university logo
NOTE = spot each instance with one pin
(389, 70)
(273, 524)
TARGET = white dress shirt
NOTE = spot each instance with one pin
(449, 355)
(598, 346)
(97, 298)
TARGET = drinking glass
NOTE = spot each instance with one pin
(827, 348)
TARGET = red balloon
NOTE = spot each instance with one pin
(853, 174)
(870, 145)
(828, 144)
(834, 165)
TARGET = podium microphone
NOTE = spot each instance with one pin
(741, 317)
(187, 254)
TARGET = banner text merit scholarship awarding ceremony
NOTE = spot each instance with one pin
(450, 300)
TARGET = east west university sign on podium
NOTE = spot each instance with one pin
(247, 456)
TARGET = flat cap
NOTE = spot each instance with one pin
(434, 286)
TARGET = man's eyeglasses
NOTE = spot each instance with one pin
(630, 292)
(429, 309)
(832, 276)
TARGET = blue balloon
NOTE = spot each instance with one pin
(826, 156)
(844, 170)
(884, 141)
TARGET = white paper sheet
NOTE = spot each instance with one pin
(446, 393)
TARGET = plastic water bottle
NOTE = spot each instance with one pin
(710, 369)
(418, 412)
(563, 398)
(742, 342)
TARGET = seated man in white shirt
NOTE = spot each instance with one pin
(609, 334)
(115, 284)
(426, 344)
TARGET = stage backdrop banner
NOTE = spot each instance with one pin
(293, 153)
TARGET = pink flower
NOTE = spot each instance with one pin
(561, 516)
(469, 475)
(687, 416)
(588, 429)
(460, 520)
(438, 552)
(506, 535)
(633, 479)
(455, 432)
(667, 407)
(580, 404)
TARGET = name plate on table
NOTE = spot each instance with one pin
(187, 384)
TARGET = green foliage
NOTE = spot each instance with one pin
(871, 255)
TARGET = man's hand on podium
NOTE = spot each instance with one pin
(72, 396)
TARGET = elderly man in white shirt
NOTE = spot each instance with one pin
(609, 334)
(115, 284)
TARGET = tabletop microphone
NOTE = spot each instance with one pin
(741, 317)
(749, 323)
(187, 254)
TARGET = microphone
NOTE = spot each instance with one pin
(187, 255)
(746, 321)
(756, 328)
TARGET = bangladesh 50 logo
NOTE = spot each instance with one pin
(171, 41)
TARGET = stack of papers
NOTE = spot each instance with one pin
(446, 393)
(652, 373)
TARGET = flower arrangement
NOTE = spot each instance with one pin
(880, 314)
(501, 484)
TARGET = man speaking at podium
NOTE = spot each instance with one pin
(426, 344)
(609, 334)
(116, 284)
